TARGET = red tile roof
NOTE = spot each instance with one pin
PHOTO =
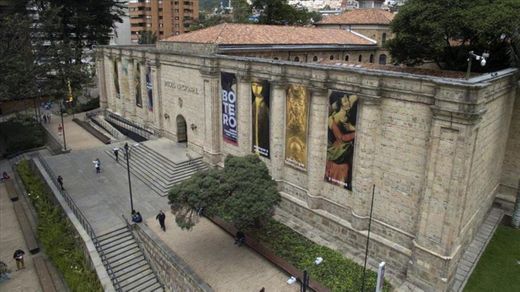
(256, 34)
(361, 16)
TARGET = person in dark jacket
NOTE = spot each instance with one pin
(161, 217)
(18, 257)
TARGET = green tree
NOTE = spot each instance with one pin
(242, 193)
(67, 31)
(147, 37)
(280, 12)
(241, 11)
(444, 31)
(19, 70)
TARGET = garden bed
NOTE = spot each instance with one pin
(294, 253)
(57, 235)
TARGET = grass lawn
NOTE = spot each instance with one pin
(498, 269)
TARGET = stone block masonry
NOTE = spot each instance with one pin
(433, 147)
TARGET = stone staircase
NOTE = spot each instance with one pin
(130, 271)
(156, 171)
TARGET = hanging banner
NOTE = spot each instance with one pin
(116, 79)
(297, 111)
(341, 134)
(228, 82)
(149, 87)
(260, 112)
(137, 84)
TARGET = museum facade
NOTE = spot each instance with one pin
(433, 147)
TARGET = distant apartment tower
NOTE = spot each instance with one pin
(370, 3)
(166, 18)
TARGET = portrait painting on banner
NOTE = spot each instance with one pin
(297, 111)
(341, 125)
(260, 117)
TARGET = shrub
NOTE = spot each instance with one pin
(57, 235)
(336, 272)
(20, 134)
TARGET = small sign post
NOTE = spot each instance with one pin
(380, 277)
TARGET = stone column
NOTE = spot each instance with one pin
(317, 144)
(101, 79)
(368, 131)
(277, 128)
(244, 112)
(452, 139)
(131, 89)
(212, 114)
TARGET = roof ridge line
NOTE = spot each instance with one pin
(220, 33)
(362, 36)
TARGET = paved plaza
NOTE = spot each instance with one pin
(11, 239)
(209, 251)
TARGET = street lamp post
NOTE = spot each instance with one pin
(63, 126)
(127, 154)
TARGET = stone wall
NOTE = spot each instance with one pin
(511, 170)
(432, 147)
(174, 273)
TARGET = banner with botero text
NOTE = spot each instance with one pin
(228, 83)
(341, 124)
(296, 125)
(116, 79)
(149, 87)
(260, 117)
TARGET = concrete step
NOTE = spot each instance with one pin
(130, 269)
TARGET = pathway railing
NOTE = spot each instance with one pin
(83, 220)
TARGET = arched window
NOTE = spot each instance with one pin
(371, 58)
(346, 58)
(383, 39)
(296, 59)
(382, 59)
(331, 57)
(315, 59)
(360, 58)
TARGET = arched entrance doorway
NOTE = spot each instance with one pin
(182, 133)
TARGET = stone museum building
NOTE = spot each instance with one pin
(438, 148)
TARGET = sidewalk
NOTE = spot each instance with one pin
(11, 239)
(207, 249)
(75, 136)
(212, 254)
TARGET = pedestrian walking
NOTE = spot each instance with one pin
(116, 153)
(97, 165)
(44, 119)
(161, 217)
(60, 182)
(48, 118)
(18, 257)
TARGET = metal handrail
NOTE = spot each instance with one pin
(84, 222)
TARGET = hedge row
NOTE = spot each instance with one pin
(57, 235)
(21, 134)
(336, 272)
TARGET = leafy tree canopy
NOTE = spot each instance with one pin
(280, 12)
(147, 37)
(444, 31)
(17, 60)
(243, 193)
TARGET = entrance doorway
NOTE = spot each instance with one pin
(182, 133)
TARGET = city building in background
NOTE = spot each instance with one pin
(121, 34)
(164, 18)
(372, 23)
